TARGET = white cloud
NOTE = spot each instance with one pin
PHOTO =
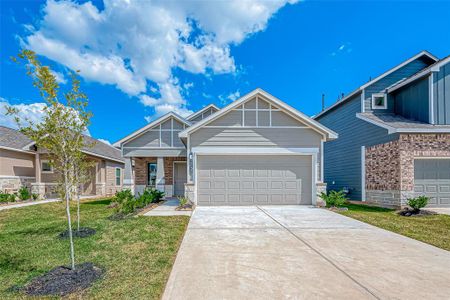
(104, 141)
(129, 44)
(33, 112)
(26, 113)
(225, 99)
(60, 78)
(344, 48)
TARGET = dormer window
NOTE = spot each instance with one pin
(379, 101)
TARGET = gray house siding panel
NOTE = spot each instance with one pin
(342, 157)
(379, 86)
(441, 93)
(412, 101)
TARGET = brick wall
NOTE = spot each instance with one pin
(168, 168)
(390, 166)
(111, 187)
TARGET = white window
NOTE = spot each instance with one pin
(46, 167)
(118, 176)
(379, 101)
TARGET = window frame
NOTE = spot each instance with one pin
(42, 167)
(377, 95)
(120, 177)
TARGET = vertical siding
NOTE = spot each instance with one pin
(342, 157)
(379, 86)
(412, 101)
(441, 95)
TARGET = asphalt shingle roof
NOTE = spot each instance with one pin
(399, 122)
(12, 138)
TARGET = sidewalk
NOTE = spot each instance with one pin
(5, 207)
(168, 209)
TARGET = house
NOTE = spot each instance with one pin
(256, 150)
(22, 164)
(394, 135)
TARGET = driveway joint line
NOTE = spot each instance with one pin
(320, 254)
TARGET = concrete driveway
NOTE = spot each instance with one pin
(296, 252)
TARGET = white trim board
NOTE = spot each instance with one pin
(271, 99)
(253, 151)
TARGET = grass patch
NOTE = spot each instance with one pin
(137, 254)
(433, 229)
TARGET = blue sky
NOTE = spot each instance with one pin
(141, 59)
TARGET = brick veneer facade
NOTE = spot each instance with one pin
(141, 169)
(390, 166)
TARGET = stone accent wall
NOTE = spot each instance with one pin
(168, 168)
(390, 166)
(13, 184)
(320, 187)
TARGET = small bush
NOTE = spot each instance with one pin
(334, 198)
(126, 203)
(4, 197)
(417, 203)
(183, 201)
(24, 193)
(34, 196)
(12, 197)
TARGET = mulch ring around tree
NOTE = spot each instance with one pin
(82, 233)
(413, 213)
(62, 280)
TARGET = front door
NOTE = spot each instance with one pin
(180, 178)
(151, 171)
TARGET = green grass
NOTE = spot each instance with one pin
(433, 229)
(137, 254)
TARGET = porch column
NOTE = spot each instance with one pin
(38, 187)
(160, 181)
(128, 179)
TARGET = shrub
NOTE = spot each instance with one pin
(183, 201)
(157, 195)
(4, 197)
(34, 196)
(417, 203)
(12, 197)
(334, 198)
(24, 193)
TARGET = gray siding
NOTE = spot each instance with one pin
(441, 95)
(379, 86)
(412, 101)
(342, 157)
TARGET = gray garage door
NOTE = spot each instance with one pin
(254, 180)
(432, 178)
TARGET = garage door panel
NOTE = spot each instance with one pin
(432, 179)
(253, 180)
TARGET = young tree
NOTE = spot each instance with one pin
(60, 132)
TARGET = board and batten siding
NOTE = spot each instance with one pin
(412, 101)
(342, 157)
(384, 83)
(441, 95)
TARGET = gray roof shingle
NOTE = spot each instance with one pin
(400, 123)
(12, 138)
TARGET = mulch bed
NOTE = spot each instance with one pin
(411, 213)
(62, 280)
(187, 207)
(334, 208)
(82, 233)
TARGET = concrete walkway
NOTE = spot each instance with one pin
(295, 252)
(5, 207)
(168, 209)
(439, 210)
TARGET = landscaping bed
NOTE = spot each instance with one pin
(135, 256)
(430, 228)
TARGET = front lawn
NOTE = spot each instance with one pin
(434, 229)
(137, 254)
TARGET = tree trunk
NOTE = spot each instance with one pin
(78, 208)
(72, 251)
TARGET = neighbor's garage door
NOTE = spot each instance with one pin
(432, 178)
(253, 180)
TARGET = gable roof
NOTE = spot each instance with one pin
(285, 107)
(361, 88)
(13, 139)
(142, 130)
(190, 117)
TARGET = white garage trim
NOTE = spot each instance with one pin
(253, 151)
(313, 152)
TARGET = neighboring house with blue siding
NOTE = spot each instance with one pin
(394, 135)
